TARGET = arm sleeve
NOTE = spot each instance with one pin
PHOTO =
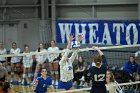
(64, 58)
(104, 61)
(73, 56)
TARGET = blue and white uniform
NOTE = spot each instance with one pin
(66, 70)
(43, 84)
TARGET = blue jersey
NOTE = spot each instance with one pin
(43, 84)
(130, 68)
(99, 77)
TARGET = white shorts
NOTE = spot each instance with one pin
(27, 65)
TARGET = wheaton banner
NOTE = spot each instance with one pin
(100, 31)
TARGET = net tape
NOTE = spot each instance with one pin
(84, 89)
(65, 50)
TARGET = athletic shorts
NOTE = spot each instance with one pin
(65, 85)
(2, 62)
(98, 89)
(27, 65)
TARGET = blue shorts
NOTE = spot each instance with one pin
(2, 61)
(65, 85)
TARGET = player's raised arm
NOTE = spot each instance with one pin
(99, 51)
(71, 38)
(103, 58)
(65, 54)
(74, 54)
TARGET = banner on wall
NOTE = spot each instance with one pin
(100, 32)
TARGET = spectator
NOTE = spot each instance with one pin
(130, 68)
(15, 62)
(110, 80)
(53, 63)
(27, 65)
(40, 59)
(79, 70)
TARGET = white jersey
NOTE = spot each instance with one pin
(41, 58)
(27, 61)
(15, 51)
(113, 88)
(2, 52)
(119, 89)
(52, 56)
(66, 67)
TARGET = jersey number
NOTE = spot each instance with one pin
(100, 77)
(69, 68)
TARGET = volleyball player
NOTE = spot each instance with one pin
(43, 82)
(15, 61)
(2, 52)
(130, 68)
(66, 67)
(98, 73)
(27, 64)
(79, 71)
(53, 63)
(40, 59)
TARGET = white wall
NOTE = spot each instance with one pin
(117, 12)
(74, 12)
(30, 35)
(104, 9)
(115, 1)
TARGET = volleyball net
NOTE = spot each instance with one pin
(116, 58)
